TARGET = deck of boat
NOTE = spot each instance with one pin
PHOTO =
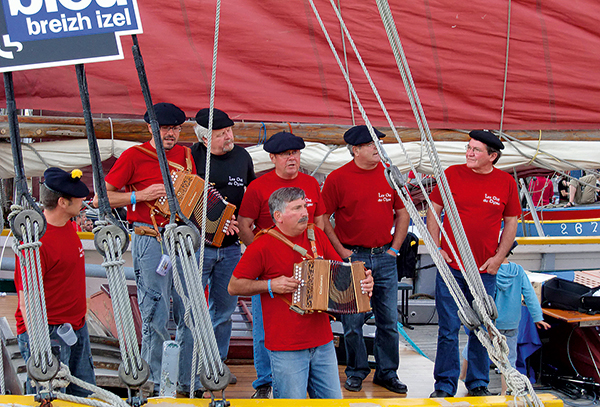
(415, 370)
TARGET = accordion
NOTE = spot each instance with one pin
(189, 189)
(332, 286)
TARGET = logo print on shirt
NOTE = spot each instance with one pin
(81, 252)
(386, 197)
(309, 202)
(235, 181)
(494, 200)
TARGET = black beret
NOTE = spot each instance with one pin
(220, 119)
(167, 114)
(283, 141)
(360, 135)
(68, 183)
(487, 138)
(514, 245)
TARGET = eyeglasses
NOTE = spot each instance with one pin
(289, 153)
(370, 144)
(174, 129)
(473, 149)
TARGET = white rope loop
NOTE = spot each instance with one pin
(33, 291)
(205, 359)
(131, 359)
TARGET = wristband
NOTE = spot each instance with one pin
(133, 199)
(395, 251)
(269, 288)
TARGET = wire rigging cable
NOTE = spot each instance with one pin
(484, 306)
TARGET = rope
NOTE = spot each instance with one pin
(481, 299)
(2, 384)
(64, 378)
(505, 67)
(197, 318)
(113, 263)
(331, 150)
(112, 244)
(537, 149)
(453, 286)
(33, 290)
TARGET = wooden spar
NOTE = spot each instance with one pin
(247, 133)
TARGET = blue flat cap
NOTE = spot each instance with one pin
(488, 138)
(283, 141)
(68, 183)
(167, 114)
(220, 119)
(360, 135)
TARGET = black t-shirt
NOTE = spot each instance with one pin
(230, 173)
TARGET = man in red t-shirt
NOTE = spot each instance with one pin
(137, 171)
(302, 352)
(284, 151)
(366, 209)
(484, 197)
(63, 273)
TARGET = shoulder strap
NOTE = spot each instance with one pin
(171, 163)
(280, 236)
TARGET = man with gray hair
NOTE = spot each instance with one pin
(301, 346)
(231, 170)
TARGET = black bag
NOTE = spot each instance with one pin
(569, 295)
(408, 255)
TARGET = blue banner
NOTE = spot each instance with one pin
(31, 20)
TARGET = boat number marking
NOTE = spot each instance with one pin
(578, 228)
(595, 224)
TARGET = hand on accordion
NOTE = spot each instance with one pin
(232, 226)
(284, 285)
(367, 284)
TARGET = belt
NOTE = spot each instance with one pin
(143, 229)
(370, 250)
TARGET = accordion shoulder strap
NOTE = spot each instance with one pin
(178, 167)
(303, 252)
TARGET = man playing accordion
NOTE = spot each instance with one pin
(302, 351)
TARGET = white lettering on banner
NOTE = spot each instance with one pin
(77, 23)
(35, 6)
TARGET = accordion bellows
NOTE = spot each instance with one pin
(332, 286)
(189, 189)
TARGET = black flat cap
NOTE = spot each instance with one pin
(167, 114)
(68, 183)
(514, 245)
(283, 141)
(220, 119)
(360, 135)
(487, 138)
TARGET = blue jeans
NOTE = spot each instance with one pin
(384, 303)
(262, 361)
(447, 362)
(77, 357)
(313, 370)
(154, 299)
(216, 272)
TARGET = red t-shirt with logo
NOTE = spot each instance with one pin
(267, 258)
(255, 204)
(63, 272)
(482, 200)
(363, 203)
(136, 170)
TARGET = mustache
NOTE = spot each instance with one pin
(303, 219)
